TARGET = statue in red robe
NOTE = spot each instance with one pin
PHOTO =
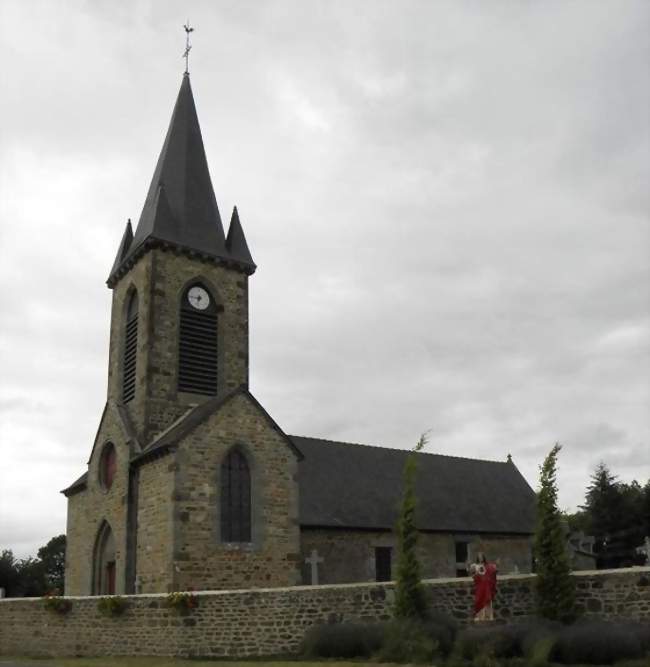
(485, 587)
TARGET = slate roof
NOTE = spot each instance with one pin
(196, 415)
(181, 209)
(345, 485)
(359, 486)
(168, 440)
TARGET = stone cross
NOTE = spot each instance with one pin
(314, 560)
(645, 550)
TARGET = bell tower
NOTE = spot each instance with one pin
(179, 320)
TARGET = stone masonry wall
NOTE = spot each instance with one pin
(88, 509)
(160, 277)
(138, 279)
(349, 555)
(201, 559)
(171, 274)
(273, 621)
(154, 544)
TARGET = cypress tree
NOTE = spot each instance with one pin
(410, 601)
(555, 587)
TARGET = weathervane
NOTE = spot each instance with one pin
(188, 46)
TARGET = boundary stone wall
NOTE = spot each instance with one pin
(266, 622)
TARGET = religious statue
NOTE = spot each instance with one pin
(485, 587)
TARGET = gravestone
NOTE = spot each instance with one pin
(314, 561)
(645, 550)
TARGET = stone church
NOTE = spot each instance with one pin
(192, 484)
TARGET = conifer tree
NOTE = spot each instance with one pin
(603, 502)
(409, 595)
(555, 587)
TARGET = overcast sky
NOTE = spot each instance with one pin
(447, 202)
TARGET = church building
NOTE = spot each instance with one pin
(191, 484)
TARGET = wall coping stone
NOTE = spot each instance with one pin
(442, 581)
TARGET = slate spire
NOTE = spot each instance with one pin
(123, 248)
(181, 209)
(236, 241)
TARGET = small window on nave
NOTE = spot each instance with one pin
(107, 466)
(383, 564)
(198, 344)
(235, 498)
(130, 349)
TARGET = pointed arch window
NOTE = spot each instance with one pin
(104, 565)
(198, 342)
(130, 349)
(107, 466)
(235, 498)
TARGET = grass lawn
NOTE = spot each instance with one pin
(178, 662)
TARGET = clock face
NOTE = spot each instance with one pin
(198, 298)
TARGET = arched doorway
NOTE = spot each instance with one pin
(104, 566)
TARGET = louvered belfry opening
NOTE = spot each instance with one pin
(235, 498)
(130, 349)
(198, 344)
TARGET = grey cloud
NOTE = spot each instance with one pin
(447, 203)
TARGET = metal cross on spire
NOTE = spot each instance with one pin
(188, 46)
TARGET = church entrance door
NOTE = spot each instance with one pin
(110, 578)
(104, 567)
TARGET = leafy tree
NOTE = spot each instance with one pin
(645, 509)
(31, 582)
(410, 601)
(9, 576)
(578, 521)
(52, 555)
(34, 577)
(555, 587)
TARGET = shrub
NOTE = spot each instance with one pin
(343, 640)
(409, 640)
(537, 639)
(113, 605)
(641, 631)
(57, 604)
(596, 643)
(182, 602)
(497, 641)
(443, 629)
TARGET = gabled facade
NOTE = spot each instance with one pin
(190, 482)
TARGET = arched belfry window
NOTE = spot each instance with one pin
(235, 498)
(104, 565)
(130, 348)
(197, 350)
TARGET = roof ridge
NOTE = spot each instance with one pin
(398, 449)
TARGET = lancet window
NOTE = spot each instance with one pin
(235, 498)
